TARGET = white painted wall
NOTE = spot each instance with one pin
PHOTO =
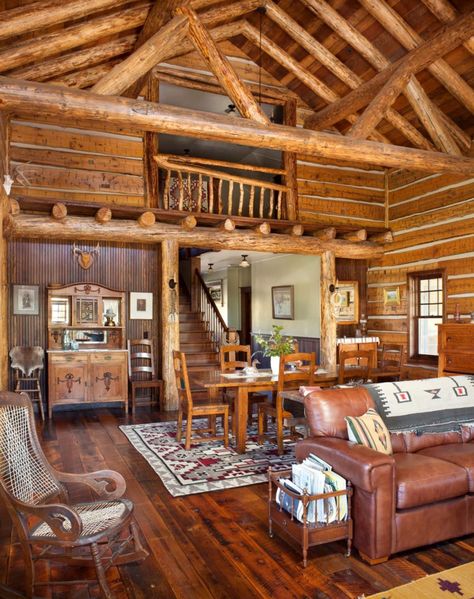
(303, 272)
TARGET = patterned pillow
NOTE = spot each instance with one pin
(369, 430)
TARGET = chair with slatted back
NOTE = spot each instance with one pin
(141, 370)
(288, 378)
(27, 362)
(355, 366)
(389, 367)
(189, 408)
(237, 357)
(99, 534)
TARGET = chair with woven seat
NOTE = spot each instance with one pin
(236, 357)
(28, 362)
(50, 527)
(190, 409)
(288, 379)
(355, 366)
(141, 370)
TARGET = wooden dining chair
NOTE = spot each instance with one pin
(236, 357)
(390, 364)
(141, 370)
(288, 378)
(27, 362)
(355, 366)
(189, 409)
(48, 525)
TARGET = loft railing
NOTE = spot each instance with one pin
(191, 184)
(216, 324)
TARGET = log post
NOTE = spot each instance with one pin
(4, 209)
(289, 163)
(14, 207)
(150, 149)
(169, 319)
(328, 320)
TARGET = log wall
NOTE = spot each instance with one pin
(431, 218)
(76, 165)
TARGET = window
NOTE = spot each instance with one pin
(426, 311)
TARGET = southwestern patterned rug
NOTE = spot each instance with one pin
(206, 466)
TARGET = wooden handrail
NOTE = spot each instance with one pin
(212, 316)
(223, 163)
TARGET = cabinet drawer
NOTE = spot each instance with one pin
(458, 362)
(69, 358)
(104, 357)
(458, 340)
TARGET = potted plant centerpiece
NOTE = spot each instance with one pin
(276, 345)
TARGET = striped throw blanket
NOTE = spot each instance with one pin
(427, 405)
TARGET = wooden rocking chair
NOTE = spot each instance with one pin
(47, 525)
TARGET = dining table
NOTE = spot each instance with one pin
(243, 384)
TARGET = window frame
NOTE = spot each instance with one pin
(413, 284)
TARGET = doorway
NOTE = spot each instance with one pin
(245, 315)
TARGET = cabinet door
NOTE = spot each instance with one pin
(68, 382)
(109, 378)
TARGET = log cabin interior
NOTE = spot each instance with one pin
(150, 150)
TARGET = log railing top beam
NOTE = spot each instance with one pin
(23, 97)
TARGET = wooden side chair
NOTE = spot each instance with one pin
(287, 379)
(141, 370)
(390, 364)
(190, 409)
(28, 362)
(354, 366)
(99, 533)
(235, 357)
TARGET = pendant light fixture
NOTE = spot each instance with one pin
(244, 263)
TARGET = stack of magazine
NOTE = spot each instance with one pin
(315, 476)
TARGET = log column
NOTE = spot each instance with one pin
(4, 206)
(169, 319)
(328, 320)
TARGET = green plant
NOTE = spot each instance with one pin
(277, 344)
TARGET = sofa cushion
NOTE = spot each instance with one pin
(326, 409)
(369, 430)
(416, 442)
(467, 432)
(461, 454)
(422, 479)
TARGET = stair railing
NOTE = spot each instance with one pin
(191, 185)
(217, 327)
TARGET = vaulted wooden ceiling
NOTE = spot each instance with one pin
(334, 56)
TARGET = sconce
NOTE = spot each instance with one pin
(172, 284)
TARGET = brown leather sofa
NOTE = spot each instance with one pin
(422, 494)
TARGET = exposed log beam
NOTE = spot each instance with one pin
(296, 230)
(220, 65)
(146, 219)
(14, 206)
(85, 77)
(51, 44)
(227, 225)
(188, 223)
(340, 70)
(160, 47)
(360, 235)
(59, 211)
(446, 13)
(397, 75)
(410, 39)
(75, 227)
(45, 100)
(353, 37)
(103, 215)
(263, 229)
(328, 233)
(37, 15)
(383, 237)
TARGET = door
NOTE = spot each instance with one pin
(68, 380)
(108, 377)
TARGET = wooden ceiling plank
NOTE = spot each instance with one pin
(162, 46)
(71, 37)
(37, 15)
(222, 69)
(410, 39)
(24, 97)
(446, 13)
(353, 37)
(75, 60)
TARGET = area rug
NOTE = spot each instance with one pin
(207, 466)
(457, 582)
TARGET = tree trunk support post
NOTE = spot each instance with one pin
(328, 319)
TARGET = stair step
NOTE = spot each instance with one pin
(192, 326)
(201, 358)
(196, 346)
(190, 317)
(193, 336)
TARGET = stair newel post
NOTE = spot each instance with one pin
(328, 318)
(169, 320)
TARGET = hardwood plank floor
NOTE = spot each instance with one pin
(211, 545)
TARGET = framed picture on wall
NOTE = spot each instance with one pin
(346, 302)
(215, 289)
(283, 304)
(141, 305)
(25, 299)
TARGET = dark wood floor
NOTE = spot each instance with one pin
(211, 545)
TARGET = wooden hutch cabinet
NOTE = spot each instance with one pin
(87, 359)
(455, 348)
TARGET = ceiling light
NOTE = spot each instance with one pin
(244, 263)
(230, 109)
(210, 265)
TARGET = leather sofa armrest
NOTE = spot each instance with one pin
(354, 462)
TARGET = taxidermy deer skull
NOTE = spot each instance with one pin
(85, 259)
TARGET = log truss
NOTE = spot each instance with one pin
(412, 90)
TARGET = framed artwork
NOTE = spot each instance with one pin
(346, 301)
(391, 296)
(141, 305)
(283, 302)
(25, 299)
(215, 289)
